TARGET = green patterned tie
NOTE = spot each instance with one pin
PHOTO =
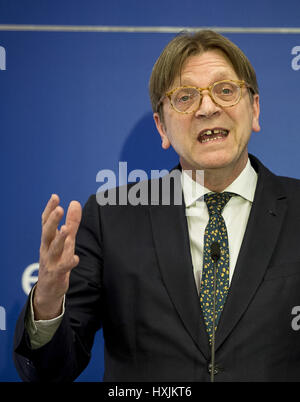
(215, 231)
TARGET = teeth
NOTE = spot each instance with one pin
(216, 135)
(211, 139)
(210, 132)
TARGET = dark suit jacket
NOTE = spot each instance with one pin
(135, 279)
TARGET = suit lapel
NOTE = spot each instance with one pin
(170, 233)
(263, 228)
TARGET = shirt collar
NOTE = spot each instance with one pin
(244, 185)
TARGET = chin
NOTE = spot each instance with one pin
(223, 160)
(216, 161)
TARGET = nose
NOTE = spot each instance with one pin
(207, 106)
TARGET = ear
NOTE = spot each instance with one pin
(165, 143)
(256, 111)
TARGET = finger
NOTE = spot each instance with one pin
(49, 230)
(57, 245)
(73, 217)
(51, 205)
(69, 260)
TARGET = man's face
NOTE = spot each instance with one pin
(184, 131)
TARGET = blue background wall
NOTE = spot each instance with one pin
(73, 103)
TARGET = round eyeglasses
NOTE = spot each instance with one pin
(187, 99)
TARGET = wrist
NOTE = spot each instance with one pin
(46, 308)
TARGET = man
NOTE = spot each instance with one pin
(177, 292)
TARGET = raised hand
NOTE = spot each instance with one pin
(57, 257)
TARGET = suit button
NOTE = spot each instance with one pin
(29, 363)
(217, 368)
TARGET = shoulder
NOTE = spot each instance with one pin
(280, 185)
(290, 184)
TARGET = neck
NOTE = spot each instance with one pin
(218, 179)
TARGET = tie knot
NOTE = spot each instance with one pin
(216, 202)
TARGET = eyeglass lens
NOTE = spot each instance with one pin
(188, 99)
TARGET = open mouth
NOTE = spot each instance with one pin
(212, 135)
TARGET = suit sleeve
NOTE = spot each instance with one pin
(67, 354)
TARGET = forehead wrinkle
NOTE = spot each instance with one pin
(216, 67)
(219, 76)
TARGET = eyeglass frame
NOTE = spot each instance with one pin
(241, 84)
